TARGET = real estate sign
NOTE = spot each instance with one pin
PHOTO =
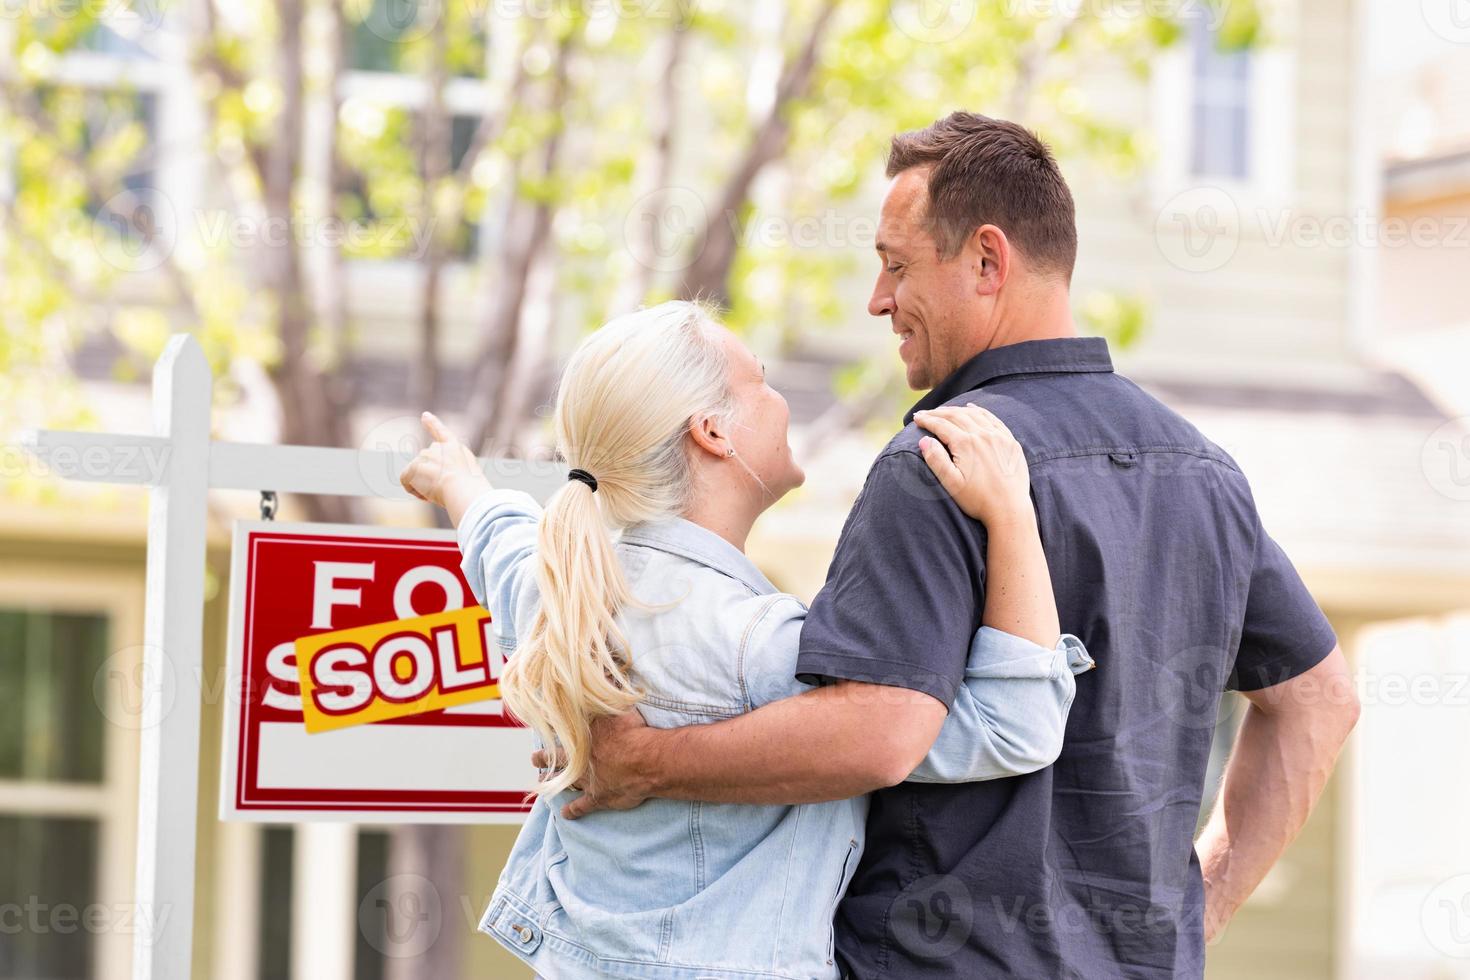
(364, 682)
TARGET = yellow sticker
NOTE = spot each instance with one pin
(397, 669)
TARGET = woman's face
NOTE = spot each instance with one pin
(760, 432)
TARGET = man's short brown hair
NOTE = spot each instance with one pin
(990, 171)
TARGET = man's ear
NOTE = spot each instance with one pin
(990, 257)
(708, 435)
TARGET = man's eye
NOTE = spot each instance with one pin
(893, 270)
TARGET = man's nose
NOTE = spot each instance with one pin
(881, 302)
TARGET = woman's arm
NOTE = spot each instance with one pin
(985, 471)
(1009, 717)
(496, 528)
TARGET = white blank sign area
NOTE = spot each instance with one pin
(435, 758)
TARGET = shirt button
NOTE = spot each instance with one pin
(524, 933)
(1123, 459)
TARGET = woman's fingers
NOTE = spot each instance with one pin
(438, 431)
(941, 465)
(949, 429)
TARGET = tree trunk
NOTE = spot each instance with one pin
(708, 277)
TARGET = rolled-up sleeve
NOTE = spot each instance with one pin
(497, 544)
(1010, 714)
(905, 589)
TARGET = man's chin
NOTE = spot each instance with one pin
(918, 377)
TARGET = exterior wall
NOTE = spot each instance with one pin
(1424, 282)
(1277, 302)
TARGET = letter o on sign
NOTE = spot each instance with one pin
(388, 652)
(414, 577)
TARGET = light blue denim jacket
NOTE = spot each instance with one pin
(675, 890)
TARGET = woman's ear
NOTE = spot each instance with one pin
(708, 435)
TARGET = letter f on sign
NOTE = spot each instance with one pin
(325, 595)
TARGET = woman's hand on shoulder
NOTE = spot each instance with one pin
(979, 463)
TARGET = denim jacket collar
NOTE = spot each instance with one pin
(677, 536)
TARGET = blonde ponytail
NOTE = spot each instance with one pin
(622, 414)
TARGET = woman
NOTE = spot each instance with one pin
(677, 442)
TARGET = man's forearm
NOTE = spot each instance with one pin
(830, 743)
(1280, 765)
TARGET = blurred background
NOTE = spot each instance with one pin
(366, 208)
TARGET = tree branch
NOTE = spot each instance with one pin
(709, 275)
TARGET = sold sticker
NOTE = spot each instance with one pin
(396, 669)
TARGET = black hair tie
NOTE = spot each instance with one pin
(584, 477)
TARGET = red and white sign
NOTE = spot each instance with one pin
(381, 651)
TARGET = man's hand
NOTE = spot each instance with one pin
(616, 778)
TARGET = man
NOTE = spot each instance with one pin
(1160, 564)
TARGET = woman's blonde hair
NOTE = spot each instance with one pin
(622, 414)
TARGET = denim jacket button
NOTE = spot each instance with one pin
(1123, 459)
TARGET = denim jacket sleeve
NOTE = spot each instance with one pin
(1009, 716)
(497, 542)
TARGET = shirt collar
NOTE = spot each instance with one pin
(1063, 355)
(677, 536)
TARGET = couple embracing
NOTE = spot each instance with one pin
(920, 775)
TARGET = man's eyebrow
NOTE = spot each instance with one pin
(881, 246)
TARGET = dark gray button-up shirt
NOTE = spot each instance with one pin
(1161, 566)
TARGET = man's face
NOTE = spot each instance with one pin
(933, 303)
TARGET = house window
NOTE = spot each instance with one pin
(1220, 113)
(52, 805)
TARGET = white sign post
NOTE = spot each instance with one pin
(181, 464)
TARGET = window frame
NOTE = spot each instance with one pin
(117, 596)
(1270, 179)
